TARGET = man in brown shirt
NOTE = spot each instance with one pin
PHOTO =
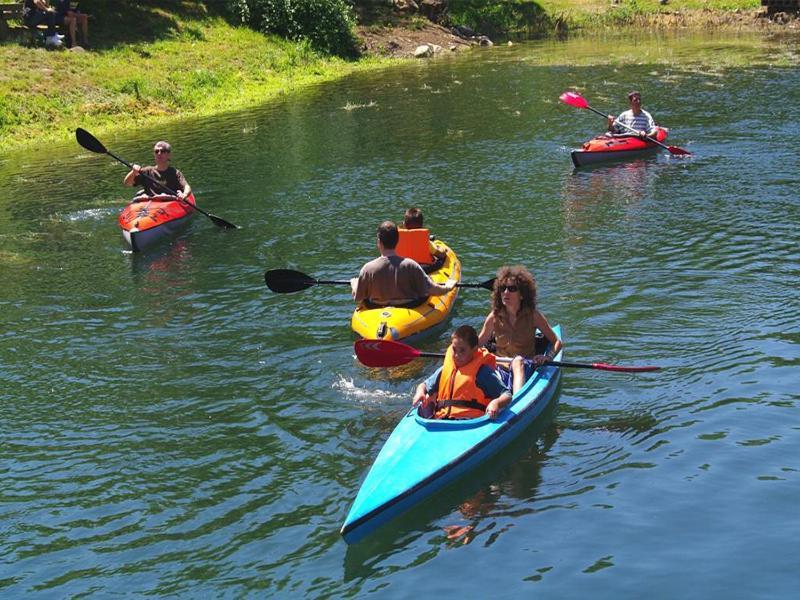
(170, 177)
(391, 280)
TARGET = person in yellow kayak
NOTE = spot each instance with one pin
(393, 280)
(162, 172)
(466, 386)
(415, 240)
(636, 118)
(513, 322)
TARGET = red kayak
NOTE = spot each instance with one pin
(616, 147)
(150, 219)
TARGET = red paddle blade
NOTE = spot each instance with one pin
(384, 353)
(573, 99)
(678, 151)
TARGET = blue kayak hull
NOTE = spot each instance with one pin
(422, 456)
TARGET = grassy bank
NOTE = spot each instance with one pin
(190, 63)
(181, 60)
(593, 14)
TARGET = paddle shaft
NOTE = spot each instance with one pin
(508, 359)
(390, 353)
(340, 282)
(286, 281)
(558, 363)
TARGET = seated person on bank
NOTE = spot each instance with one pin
(36, 12)
(71, 18)
(392, 280)
(466, 386)
(415, 242)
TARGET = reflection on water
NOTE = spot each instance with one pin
(632, 181)
(478, 507)
(162, 261)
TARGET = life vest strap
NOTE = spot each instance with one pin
(461, 404)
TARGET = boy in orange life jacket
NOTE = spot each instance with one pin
(415, 242)
(466, 386)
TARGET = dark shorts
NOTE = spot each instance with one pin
(508, 379)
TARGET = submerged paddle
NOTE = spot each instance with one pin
(388, 353)
(578, 101)
(91, 143)
(284, 281)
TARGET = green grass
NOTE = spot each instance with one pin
(192, 64)
(597, 13)
(547, 17)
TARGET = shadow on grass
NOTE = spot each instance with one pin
(114, 23)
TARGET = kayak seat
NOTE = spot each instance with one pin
(410, 304)
(437, 264)
(431, 409)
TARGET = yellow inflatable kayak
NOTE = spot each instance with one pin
(393, 323)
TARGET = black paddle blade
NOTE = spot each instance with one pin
(220, 222)
(285, 281)
(486, 285)
(88, 141)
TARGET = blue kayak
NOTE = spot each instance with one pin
(423, 455)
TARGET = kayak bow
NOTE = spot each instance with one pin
(146, 221)
(604, 148)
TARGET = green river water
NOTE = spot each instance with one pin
(169, 427)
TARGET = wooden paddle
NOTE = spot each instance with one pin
(91, 143)
(284, 281)
(578, 101)
(388, 353)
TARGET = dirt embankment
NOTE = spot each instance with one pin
(401, 41)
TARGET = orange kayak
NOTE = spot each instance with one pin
(616, 147)
(146, 221)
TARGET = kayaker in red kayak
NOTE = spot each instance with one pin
(162, 172)
(640, 120)
(513, 323)
(466, 385)
(392, 280)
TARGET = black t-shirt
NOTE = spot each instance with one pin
(171, 177)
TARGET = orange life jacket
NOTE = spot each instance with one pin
(415, 244)
(459, 396)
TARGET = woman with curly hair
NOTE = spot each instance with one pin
(513, 322)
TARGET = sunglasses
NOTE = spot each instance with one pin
(508, 288)
(160, 151)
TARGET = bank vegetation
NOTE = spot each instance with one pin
(152, 61)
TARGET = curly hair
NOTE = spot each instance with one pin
(523, 279)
